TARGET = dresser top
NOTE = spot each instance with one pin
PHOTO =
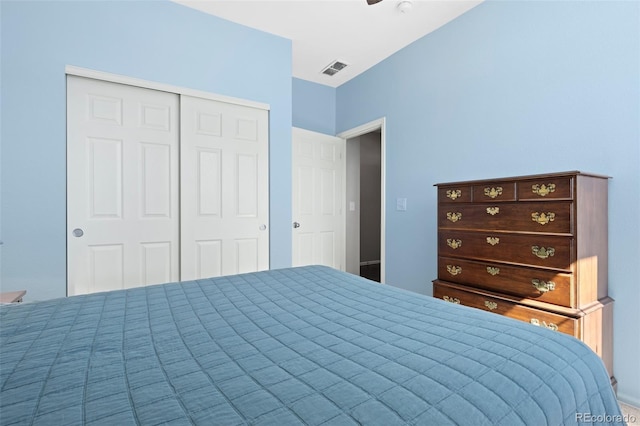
(528, 177)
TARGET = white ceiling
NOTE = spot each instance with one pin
(350, 31)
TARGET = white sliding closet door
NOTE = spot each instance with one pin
(122, 186)
(224, 188)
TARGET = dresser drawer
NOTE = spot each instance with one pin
(546, 188)
(509, 309)
(554, 217)
(455, 194)
(538, 284)
(494, 192)
(545, 251)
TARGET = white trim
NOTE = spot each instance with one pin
(132, 81)
(380, 123)
(363, 128)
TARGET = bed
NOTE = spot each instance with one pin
(308, 345)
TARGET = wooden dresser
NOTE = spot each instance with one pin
(533, 248)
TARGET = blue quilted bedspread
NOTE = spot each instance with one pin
(304, 345)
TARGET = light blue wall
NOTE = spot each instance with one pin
(314, 106)
(513, 88)
(158, 41)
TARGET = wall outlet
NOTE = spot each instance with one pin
(401, 204)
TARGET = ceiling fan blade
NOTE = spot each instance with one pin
(370, 2)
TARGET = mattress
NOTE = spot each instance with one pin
(307, 345)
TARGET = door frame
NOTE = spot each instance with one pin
(378, 124)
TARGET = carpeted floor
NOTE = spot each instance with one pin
(631, 414)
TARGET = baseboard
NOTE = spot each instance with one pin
(629, 400)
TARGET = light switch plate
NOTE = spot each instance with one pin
(401, 204)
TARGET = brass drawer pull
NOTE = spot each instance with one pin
(451, 299)
(543, 190)
(454, 217)
(454, 244)
(493, 240)
(493, 270)
(454, 270)
(543, 252)
(550, 326)
(543, 286)
(490, 305)
(543, 218)
(493, 210)
(493, 192)
(454, 193)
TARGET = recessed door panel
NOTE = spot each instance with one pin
(156, 180)
(106, 268)
(247, 128)
(328, 192)
(208, 182)
(328, 152)
(157, 117)
(305, 193)
(247, 184)
(105, 177)
(156, 262)
(104, 109)
(208, 258)
(305, 250)
(328, 247)
(247, 255)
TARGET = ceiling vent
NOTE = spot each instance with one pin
(334, 67)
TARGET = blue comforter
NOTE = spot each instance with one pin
(308, 345)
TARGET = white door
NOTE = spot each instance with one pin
(122, 186)
(224, 188)
(318, 198)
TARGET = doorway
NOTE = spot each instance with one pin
(365, 195)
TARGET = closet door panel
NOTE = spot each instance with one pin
(122, 186)
(224, 188)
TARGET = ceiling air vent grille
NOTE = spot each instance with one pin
(334, 67)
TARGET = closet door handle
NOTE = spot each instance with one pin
(296, 224)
